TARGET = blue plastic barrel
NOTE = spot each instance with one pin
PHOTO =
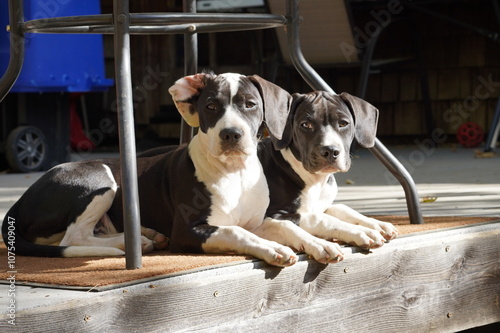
(57, 62)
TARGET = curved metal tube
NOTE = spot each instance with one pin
(16, 48)
(39, 25)
(148, 23)
(154, 30)
(305, 70)
(404, 178)
(183, 18)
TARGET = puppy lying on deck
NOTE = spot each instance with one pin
(315, 144)
(210, 196)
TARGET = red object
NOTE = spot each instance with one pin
(78, 140)
(470, 135)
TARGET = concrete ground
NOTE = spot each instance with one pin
(460, 183)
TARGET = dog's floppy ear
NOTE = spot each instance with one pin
(287, 136)
(184, 94)
(277, 102)
(365, 119)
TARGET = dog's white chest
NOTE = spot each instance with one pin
(239, 196)
(318, 197)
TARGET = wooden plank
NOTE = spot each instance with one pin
(419, 295)
(373, 88)
(386, 119)
(168, 64)
(486, 82)
(466, 82)
(438, 281)
(390, 87)
(478, 114)
(448, 84)
(472, 51)
(491, 51)
(432, 76)
(345, 82)
(408, 116)
(166, 130)
(409, 87)
(438, 108)
(446, 116)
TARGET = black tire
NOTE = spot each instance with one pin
(26, 149)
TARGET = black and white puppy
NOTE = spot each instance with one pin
(316, 144)
(210, 196)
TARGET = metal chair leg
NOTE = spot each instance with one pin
(190, 64)
(128, 163)
(403, 176)
(494, 131)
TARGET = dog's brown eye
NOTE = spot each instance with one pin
(210, 106)
(249, 105)
(306, 124)
(343, 123)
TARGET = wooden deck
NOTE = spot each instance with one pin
(440, 281)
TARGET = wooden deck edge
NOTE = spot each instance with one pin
(253, 263)
(442, 281)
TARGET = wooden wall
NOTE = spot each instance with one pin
(463, 69)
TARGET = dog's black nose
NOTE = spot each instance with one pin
(231, 134)
(330, 152)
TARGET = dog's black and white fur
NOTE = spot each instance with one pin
(210, 196)
(315, 144)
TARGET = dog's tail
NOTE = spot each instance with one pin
(18, 245)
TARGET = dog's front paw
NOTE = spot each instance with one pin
(364, 237)
(279, 255)
(386, 229)
(322, 250)
(160, 241)
(147, 245)
(389, 231)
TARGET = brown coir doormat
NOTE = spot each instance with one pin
(97, 272)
